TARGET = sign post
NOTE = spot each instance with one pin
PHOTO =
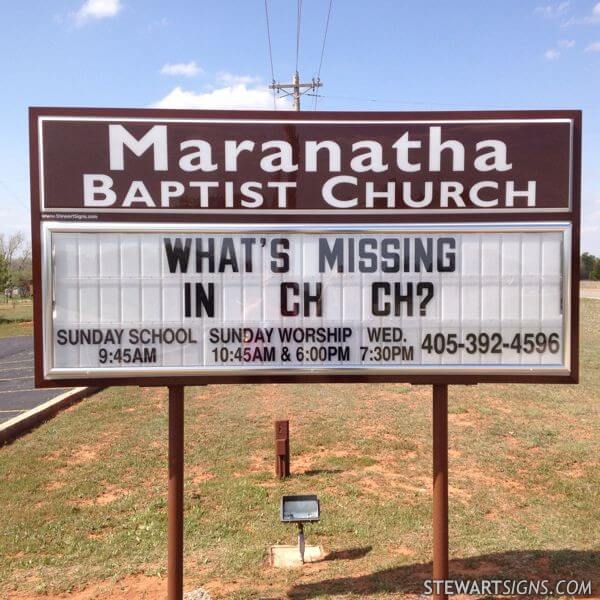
(203, 247)
(175, 497)
(440, 485)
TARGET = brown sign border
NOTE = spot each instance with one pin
(573, 216)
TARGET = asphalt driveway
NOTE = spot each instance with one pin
(17, 390)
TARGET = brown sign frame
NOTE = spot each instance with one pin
(571, 214)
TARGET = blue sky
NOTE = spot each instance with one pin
(380, 55)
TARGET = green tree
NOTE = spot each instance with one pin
(595, 274)
(588, 261)
(21, 278)
(15, 261)
(4, 274)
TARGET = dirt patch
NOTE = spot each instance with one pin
(54, 485)
(270, 399)
(199, 474)
(491, 515)
(110, 494)
(462, 420)
(401, 551)
(84, 454)
(376, 487)
(219, 589)
(307, 461)
(133, 587)
(575, 471)
(483, 479)
(261, 461)
(512, 441)
(386, 482)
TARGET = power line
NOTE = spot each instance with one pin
(325, 36)
(270, 54)
(382, 101)
(296, 89)
(450, 105)
(298, 21)
(323, 47)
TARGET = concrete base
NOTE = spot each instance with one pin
(288, 557)
(199, 594)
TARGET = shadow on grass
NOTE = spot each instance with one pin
(551, 565)
(349, 554)
(313, 472)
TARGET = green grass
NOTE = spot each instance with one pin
(16, 318)
(84, 497)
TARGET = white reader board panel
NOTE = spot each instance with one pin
(174, 300)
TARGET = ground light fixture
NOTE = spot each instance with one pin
(300, 509)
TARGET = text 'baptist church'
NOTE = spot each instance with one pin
(362, 173)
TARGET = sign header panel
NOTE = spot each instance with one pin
(350, 168)
(199, 247)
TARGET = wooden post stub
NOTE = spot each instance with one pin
(282, 449)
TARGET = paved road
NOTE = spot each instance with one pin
(17, 390)
(590, 293)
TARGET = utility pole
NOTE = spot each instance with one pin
(296, 89)
(282, 428)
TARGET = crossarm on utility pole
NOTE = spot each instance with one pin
(296, 89)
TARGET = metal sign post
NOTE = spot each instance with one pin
(440, 485)
(175, 497)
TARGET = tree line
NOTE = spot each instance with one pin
(15, 265)
(590, 267)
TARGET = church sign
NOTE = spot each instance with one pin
(198, 247)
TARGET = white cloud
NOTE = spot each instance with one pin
(554, 53)
(97, 9)
(231, 79)
(243, 93)
(551, 11)
(594, 47)
(590, 19)
(190, 69)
